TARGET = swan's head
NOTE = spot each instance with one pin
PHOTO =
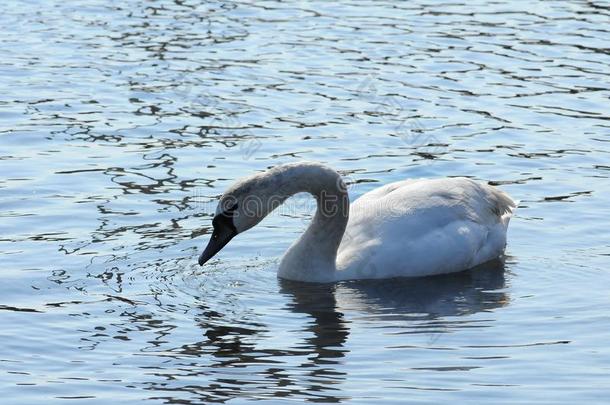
(240, 208)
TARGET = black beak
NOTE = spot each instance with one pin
(223, 232)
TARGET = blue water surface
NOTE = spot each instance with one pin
(121, 122)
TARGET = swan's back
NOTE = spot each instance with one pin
(424, 227)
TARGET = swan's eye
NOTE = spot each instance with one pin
(223, 221)
(231, 209)
(229, 206)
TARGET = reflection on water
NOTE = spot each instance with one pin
(311, 366)
(430, 298)
(120, 124)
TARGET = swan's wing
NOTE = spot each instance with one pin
(424, 227)
(478, 197)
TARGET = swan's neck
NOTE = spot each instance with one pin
(313, 256)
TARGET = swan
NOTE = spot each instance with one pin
(410, 228)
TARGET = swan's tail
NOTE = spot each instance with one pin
(502, 205)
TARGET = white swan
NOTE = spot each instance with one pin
(404, 229)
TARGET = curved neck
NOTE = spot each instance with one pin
(313, 256)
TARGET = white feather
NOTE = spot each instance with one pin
(424, 227)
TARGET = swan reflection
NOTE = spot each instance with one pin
(417, 305)
(301, 350)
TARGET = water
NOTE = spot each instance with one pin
(122, 122)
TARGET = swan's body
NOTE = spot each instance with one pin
(424, 227)
(404, 229)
